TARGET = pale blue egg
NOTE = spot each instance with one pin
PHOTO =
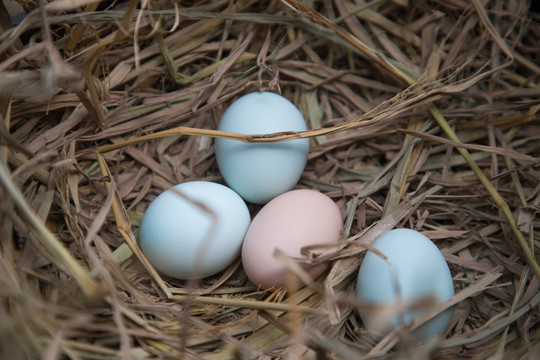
(194, 230)
(259, 172)
(415, 268)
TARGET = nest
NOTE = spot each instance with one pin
(421, 115)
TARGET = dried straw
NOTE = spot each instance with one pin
(420, 115)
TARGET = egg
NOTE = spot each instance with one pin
(289, 222)
(194, 229)
(414, 269)
(261, 171)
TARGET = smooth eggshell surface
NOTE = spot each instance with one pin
(194, 230)
(289, 222)
(414, 268)
(261, 171)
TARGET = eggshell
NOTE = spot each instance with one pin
(415, 268)
(194, 230)
(289, 222)
(261, 171)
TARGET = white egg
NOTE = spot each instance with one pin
(414, 269)
(194, 230)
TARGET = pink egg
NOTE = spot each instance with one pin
(289, 222)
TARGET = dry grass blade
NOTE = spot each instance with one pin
(368, 52)
(490, 149)
(500, 202)
(89, 286)
(124, 228)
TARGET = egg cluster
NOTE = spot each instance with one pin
(198, 228)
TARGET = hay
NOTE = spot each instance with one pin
(421, 115)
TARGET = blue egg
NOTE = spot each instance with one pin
(414, 268)
(194, 229)
(258, 172)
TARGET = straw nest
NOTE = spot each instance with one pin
(422, 115)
